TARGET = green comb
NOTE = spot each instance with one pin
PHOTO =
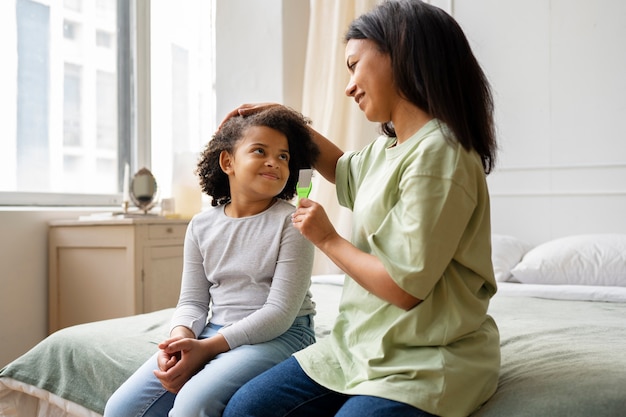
(304, 185)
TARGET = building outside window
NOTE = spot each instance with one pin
(70, 79)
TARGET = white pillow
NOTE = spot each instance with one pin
(598, 259)
(506, 252)
(332, 279)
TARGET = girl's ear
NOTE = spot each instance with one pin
(226, 162)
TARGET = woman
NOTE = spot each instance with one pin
(412, 337)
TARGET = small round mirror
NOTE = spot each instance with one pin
(143, 189)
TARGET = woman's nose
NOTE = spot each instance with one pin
(350, 88)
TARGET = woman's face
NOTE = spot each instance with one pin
(371, 80)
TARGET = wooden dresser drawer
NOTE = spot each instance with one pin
(167, 231)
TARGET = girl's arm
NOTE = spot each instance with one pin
(182, 354)
(291, 279)
(192, 309)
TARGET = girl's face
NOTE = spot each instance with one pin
(371, 80)
(258, 169)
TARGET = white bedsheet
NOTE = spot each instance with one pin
(18, 399)
(563, 292)
(514, 289)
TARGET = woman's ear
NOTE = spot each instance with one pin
(226, 162)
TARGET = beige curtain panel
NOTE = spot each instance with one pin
(334, 115)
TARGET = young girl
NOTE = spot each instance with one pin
(246, 269)
(413, 337)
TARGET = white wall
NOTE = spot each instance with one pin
(23, 277)
(260, 53)
(558, 70)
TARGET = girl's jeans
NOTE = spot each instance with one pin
(286, 391)
(206, 393)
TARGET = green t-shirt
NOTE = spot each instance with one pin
(422, 208)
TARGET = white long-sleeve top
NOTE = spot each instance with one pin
(251, 275)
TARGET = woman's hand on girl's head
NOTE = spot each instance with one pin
(247, 109)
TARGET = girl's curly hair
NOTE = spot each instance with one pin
(302, 150)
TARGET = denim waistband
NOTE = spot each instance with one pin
(299, 321)
(304, 320)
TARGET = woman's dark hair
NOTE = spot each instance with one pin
(434, 68)
(303, 152)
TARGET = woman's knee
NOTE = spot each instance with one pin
(273, 393)
(369, 406)
(251, 399)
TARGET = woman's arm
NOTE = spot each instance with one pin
(366, 269)
(329, 155)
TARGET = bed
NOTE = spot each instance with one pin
(560, 307)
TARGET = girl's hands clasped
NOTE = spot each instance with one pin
(180, 358)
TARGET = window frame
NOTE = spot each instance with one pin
(133, 42)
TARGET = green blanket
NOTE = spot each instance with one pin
(86, 363)
(559, 358)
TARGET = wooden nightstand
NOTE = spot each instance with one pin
(102, 269)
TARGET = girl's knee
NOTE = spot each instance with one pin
(186, 410)
(116, 405)
(115, 408)
(202, 406)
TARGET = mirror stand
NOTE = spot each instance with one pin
(142, 191)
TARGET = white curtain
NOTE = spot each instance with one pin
(334, 115)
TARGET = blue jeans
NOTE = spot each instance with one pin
(286, 391)
(207, 392)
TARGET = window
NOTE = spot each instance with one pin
(182, 88)
(81, 108)
(71, 105)
(73, 5)
(70, 30)
(65, 107)
(104, 39)
(106, 111)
